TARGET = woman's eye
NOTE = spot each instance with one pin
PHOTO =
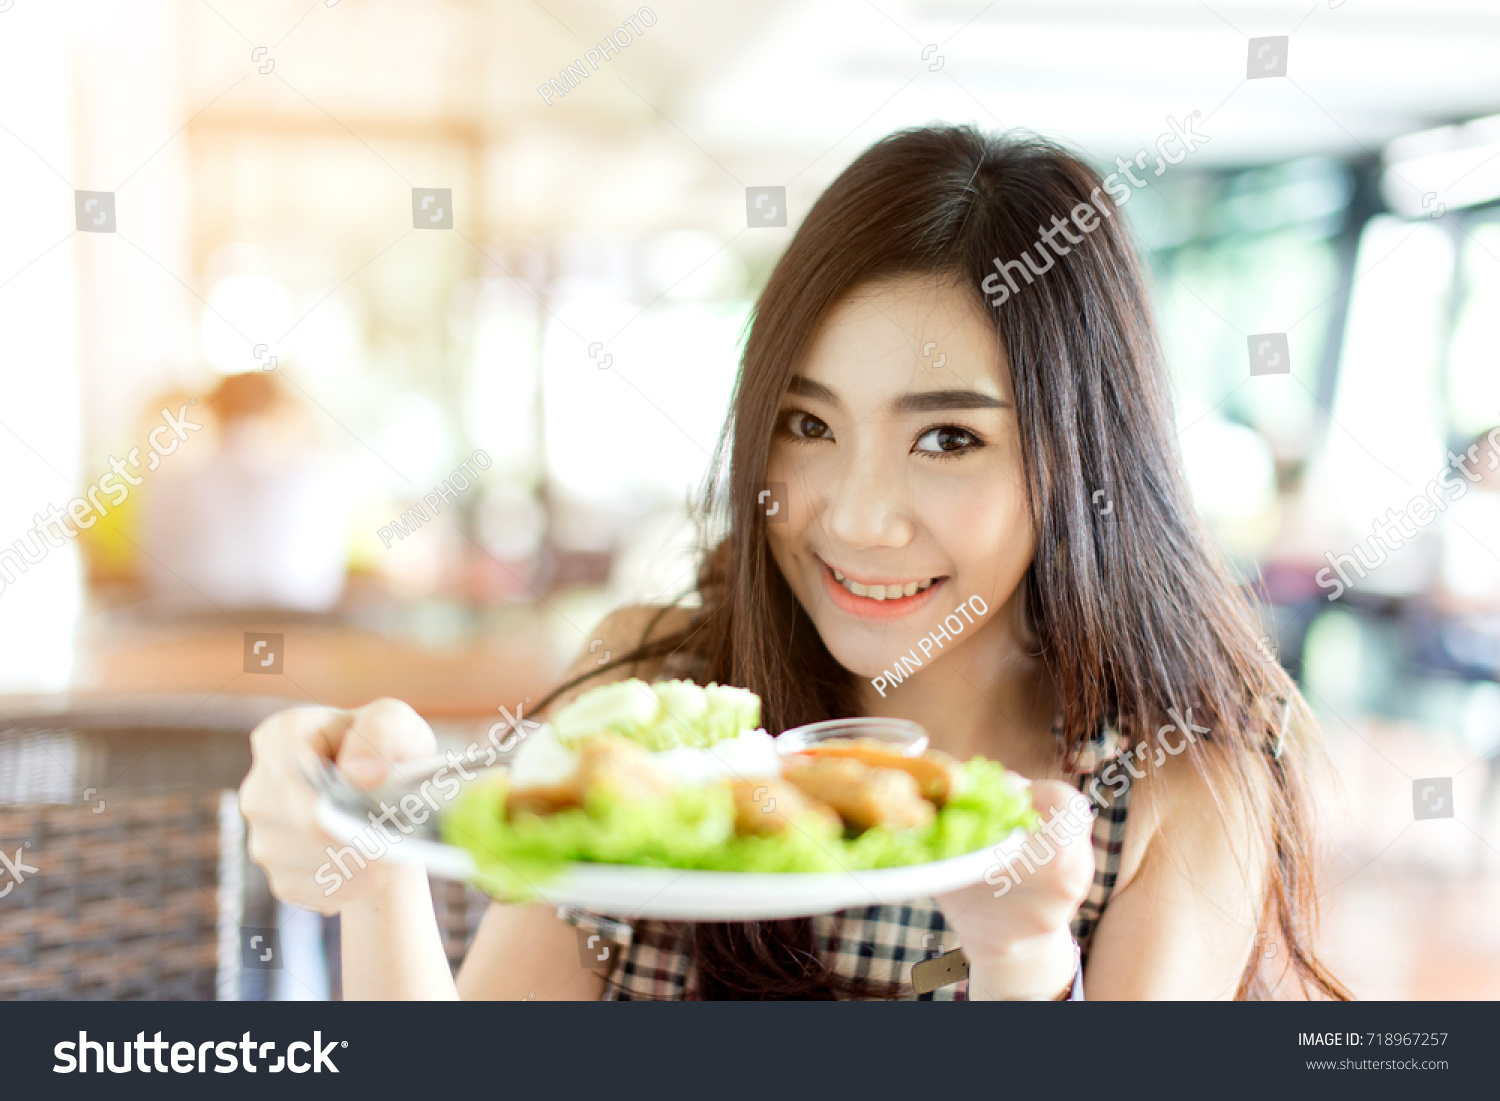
(805, 426)
(947, 439)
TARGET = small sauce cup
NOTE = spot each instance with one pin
(902, 735)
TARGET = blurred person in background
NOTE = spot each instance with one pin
(113, 542)
(260, 521)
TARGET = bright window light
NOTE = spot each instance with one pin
(244, 311)
(1443, 169)
(1474, 356)
(648, 421)
(1386, 439)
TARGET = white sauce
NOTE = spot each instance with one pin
(542, 760)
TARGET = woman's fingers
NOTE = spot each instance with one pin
(1029, 899)
(279, 805)
(277, 746)
(384, 733)
(1067, 824)
(283, 749)
(1049, 795)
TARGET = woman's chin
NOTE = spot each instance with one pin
(866, 663)
(868, 650)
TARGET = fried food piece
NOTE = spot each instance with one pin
(775, 806)
(607, 761)
(624, 767)
(543, 798)
(934, 771)
(863, 796)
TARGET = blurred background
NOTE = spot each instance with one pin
(373, 348)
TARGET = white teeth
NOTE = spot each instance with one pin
(883, 592)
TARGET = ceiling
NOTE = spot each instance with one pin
(720, 95)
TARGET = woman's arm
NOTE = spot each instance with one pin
(527, 953)
(392, 948)
(1185, 922)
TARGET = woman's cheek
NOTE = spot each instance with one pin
(781, 544)
(785, 504)
(986, 532)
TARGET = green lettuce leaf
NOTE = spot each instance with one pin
(660, 716)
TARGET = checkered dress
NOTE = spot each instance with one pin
(871, 942)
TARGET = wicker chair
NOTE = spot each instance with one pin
(126, 811)
(131, 854)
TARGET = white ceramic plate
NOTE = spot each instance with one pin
(673, 894)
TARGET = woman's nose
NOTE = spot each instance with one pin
(869, 506)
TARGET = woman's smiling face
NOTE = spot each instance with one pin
(900, 449)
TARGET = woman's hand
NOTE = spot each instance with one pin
(277, 801)
(1014, 927)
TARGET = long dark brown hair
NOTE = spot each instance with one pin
(1135, 613)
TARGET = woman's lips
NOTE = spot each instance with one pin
(877, 610)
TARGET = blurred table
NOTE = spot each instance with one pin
(322, 662)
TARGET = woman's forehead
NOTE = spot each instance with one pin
(905, 331)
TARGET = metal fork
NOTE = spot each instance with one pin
(384, 799)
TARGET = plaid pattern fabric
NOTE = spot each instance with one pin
(872, 942)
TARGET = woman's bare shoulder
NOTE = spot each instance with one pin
(637, 623)
(617, 634)
(1197, 803)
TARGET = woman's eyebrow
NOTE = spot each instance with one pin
(807, 388)
(924, 401)
(932, 401)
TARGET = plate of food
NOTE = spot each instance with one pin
(670, 801)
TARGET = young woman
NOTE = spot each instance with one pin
(952, 389)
